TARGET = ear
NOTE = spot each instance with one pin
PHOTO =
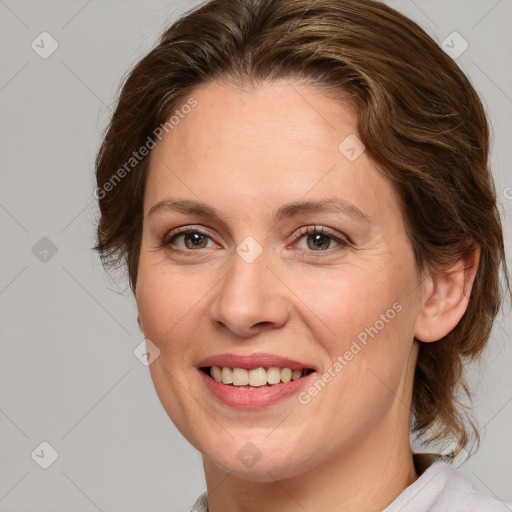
(446, 297)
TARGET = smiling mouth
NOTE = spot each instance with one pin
(255, 377)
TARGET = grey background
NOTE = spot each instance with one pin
(68, 374)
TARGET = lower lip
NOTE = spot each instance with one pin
(254, 398)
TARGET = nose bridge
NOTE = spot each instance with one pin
(249, 295)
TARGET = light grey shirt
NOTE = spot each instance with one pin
(439, 488)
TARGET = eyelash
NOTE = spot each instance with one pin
(307, 230)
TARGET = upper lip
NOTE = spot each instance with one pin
(249, 362)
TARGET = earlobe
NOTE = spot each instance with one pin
(447, 297)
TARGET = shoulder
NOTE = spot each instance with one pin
(201, 504)
(457, 493)
(442, 488)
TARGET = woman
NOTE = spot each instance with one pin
(300, 192)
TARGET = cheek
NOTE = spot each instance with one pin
(364, 322)
(167, 302)
(349, 304)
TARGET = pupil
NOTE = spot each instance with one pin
(195, 238)
(320, 241)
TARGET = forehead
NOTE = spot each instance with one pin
(269, 144)
(264, 116)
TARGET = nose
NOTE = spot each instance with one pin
(249, 299)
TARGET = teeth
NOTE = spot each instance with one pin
(215, 373)
(296, 374)
(227, 375)
(240, 377)
(286, 375)
(274, 375)
(256, 377)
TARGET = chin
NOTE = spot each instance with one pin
(266, 465)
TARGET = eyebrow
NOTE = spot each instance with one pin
(288, 210)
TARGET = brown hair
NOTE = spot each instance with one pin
(420, 119)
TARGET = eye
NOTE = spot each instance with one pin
(310, 239)
(319, 239)
(184, 239)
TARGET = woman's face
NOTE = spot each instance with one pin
(305, 265)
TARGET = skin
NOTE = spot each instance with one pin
(246, 153)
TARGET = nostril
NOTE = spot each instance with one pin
(261, 324)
